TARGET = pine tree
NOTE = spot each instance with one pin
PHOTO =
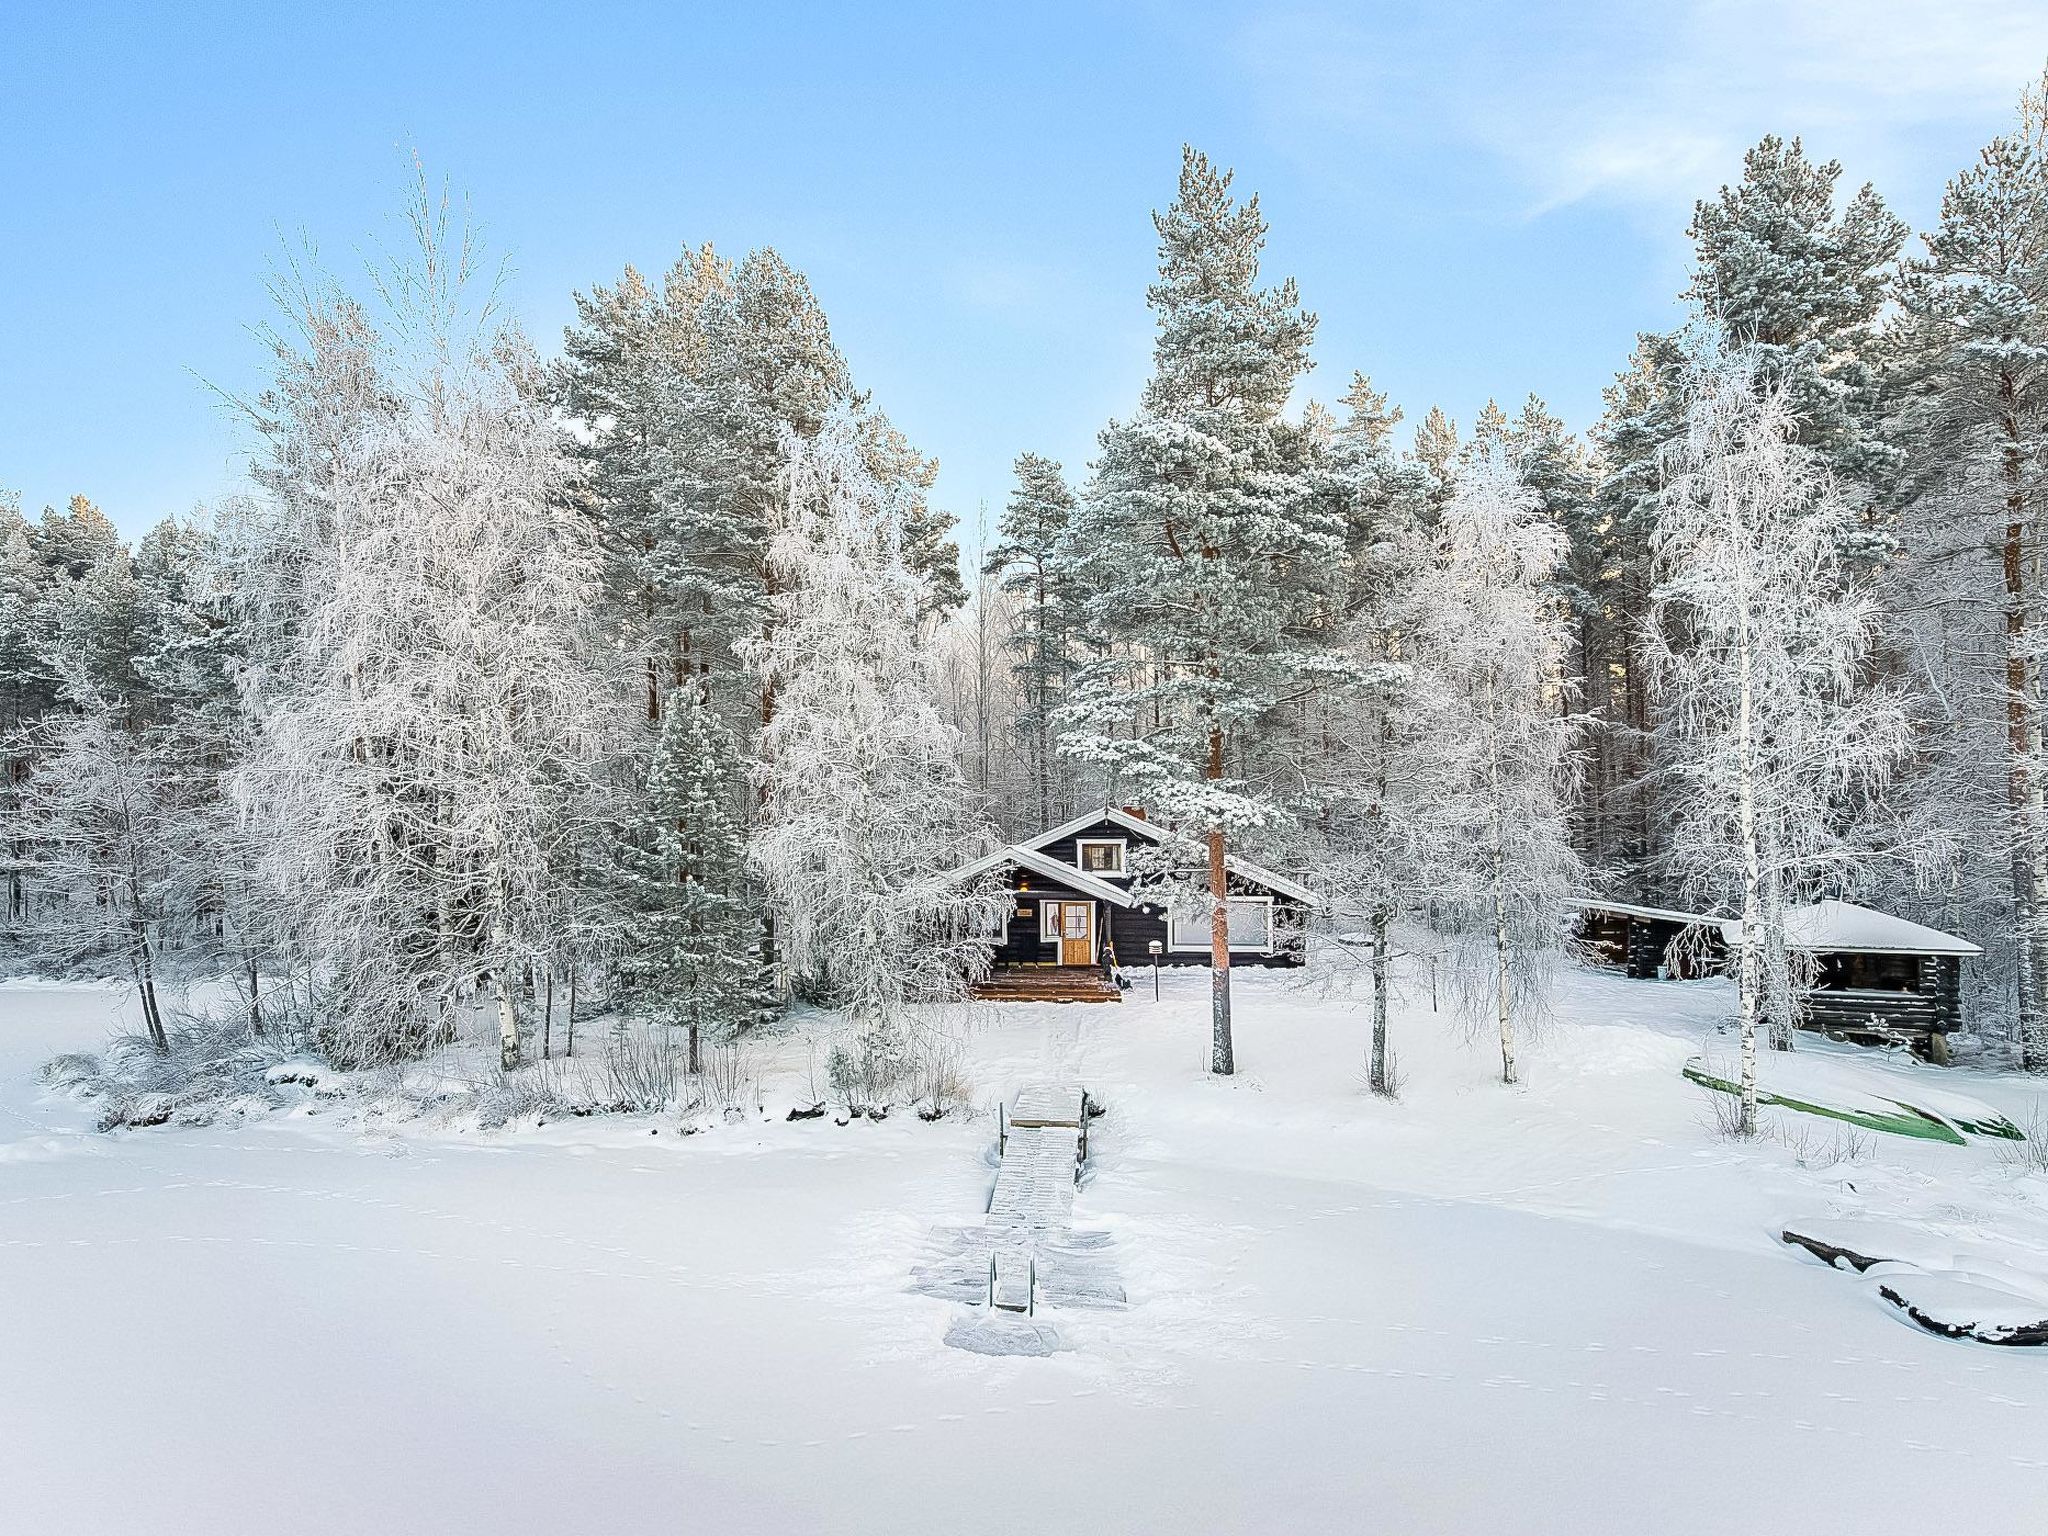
(1778, 266)
(28, 690)
(1199, 547)
(1436, 453)
(1973, 366)
(1609, 575)
(1026, 561)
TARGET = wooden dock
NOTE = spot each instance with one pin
(1025, 1253)
(1044, 1138)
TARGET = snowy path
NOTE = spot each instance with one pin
(1561, 1309)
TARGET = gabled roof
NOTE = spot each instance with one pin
(1845, 927)
(1244, 868)
(1051, 868)
(1628, 909)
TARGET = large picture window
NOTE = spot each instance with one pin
(1251, 926)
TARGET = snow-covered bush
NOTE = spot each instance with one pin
(204, 1071)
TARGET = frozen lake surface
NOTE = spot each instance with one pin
(1556, 1308)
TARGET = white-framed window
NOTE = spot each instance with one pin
(1251, 926)
(1100, 855)
(1048, 921)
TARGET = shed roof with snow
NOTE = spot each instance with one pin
(1842, 927)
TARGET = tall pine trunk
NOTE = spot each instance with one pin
(2023, 777)
(1222, 1057)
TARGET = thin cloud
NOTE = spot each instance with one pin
(1651, 111)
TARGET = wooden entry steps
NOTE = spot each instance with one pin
(1047, 984)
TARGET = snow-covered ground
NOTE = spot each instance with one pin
(1555, 1308)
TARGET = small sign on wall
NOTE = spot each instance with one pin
(1026, 911)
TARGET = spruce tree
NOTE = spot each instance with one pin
(1200, 550)
(694, 944)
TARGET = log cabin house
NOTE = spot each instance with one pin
(1878, 979)
(1074, 920)
(1642, 942)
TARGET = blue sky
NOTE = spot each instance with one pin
(1480, 199)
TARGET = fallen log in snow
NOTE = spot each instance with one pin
(1969, 1307)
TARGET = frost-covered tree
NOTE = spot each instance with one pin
(1973, 367)
(1042, 641)
(1762, 652)
(105, 818)
(28, 690)
(1200, 550)
(1779, 266)
(1385, 819)
(428, 711)
(1435, 453)
(1502, 644)
(864, 806)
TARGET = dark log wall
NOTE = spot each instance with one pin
(1929, 1002)
(1129, 931)
(1020, 942)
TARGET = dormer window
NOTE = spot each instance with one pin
(1100, 855)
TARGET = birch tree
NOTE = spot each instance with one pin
(1761, 647)
(427, 707)
(864, 807)
(1388, 769)
(1502, 642)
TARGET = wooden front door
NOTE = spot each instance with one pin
(1077, 933)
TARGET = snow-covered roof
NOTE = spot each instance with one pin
(1844, 926)
(1074, 879)
(1629, 909)
(1244, 868)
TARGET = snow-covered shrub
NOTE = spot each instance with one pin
(206, 1069)
(522, 1095)
(729, 1080)
(939, 1083)
(1816, 1146)
(2029, 1155)
(643, 1069)
(867, 1065)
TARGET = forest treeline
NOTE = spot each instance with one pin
(650, 670)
